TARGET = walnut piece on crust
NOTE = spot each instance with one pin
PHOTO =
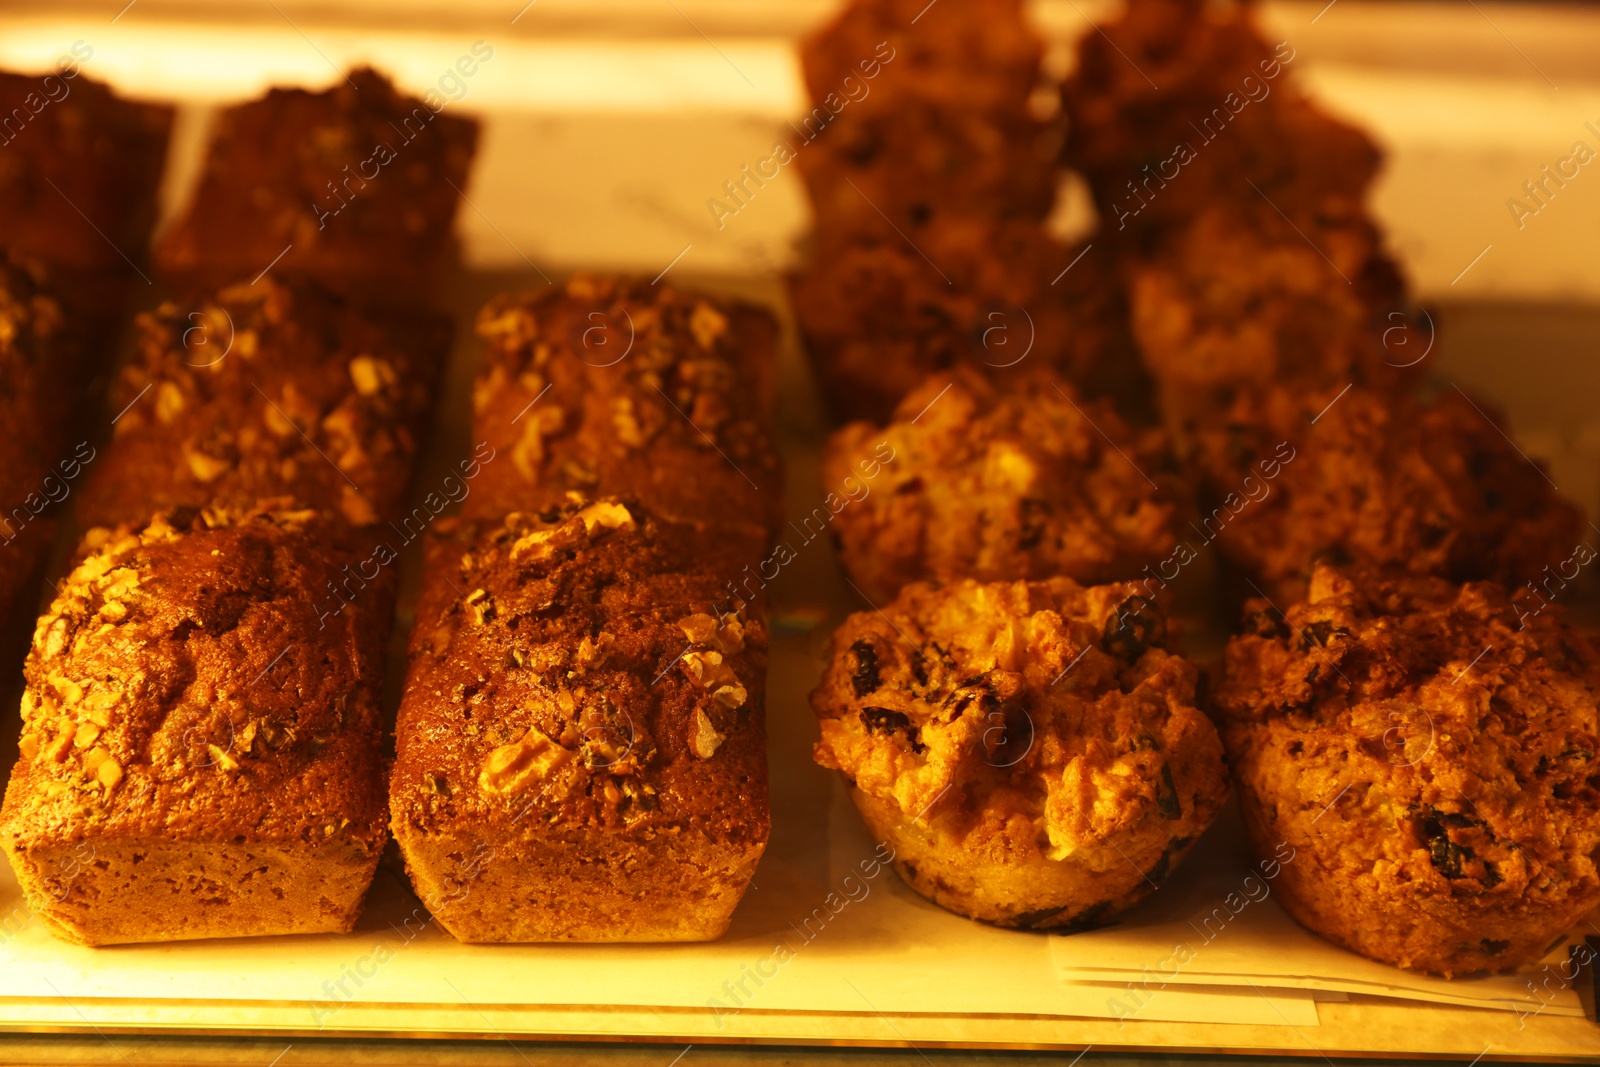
(1030, 749)
(201, 750)
(1432, 754)
(585, 706)
(999, 479)
(1429, 487)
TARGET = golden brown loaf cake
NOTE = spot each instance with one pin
(276, 388)
(79, 169)
(608, 386)
(1429, 487)
(1029, 749)
(581, 746)
(357, 186)
(202, 715)
(998, 480)
(40, 360)
(1429, 751)
(878, 317)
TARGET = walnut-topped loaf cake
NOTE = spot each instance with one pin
(277, 388)
(1031, 750)
(608, 386)
(357, 185)
(999, 479)
(202, 715)
(581, 745)
(1431, 752)
(40, 357)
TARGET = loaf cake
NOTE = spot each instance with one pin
(606, 386)
(357, 186)
(1030, 750)
(1363, 476)
(202, 715)
(581, 749)
(277, 388)
(40, 359)
(79, 170)
(1429, 753)
(997, 480)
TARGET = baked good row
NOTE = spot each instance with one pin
(1297, 443)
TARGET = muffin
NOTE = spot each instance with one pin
(878, 315)
(1179, 105)
(999, 479)
(1030, 750)
(1356, 475)
(1429, 752)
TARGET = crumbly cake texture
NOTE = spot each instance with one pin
(1430, 487)
(1175, 106)
(1001, 479)
(1239, 301)
(357, 186)
(40, 355)
(1429, 750)
(614, 386)
(878, 317)
(201, 746)
(78, 179)
(1030, 749)
(277, 388)
(581, 745)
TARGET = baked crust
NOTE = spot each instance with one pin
(1430, 752)
(1029, 749)
(1428, 487)
(581, 748)
(276, 388)
(998, 480)
(878, 316)
(357, 186)
(611, 386)
(201, 748)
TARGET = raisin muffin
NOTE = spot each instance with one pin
(1030, 749)
(259, 390)
(878, 315)
(1366, 477)
(1429, 751)
(617, 386)
(1178, 105)
(584, 715)
(999, 479)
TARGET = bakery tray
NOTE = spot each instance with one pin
(828, 947)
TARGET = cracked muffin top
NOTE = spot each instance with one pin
(1044, 699)
(1462, 723)
(998, 479)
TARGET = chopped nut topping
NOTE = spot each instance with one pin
(222, 758)
(700, 665)
(707, 324)
(730, 696)
(29, 746)
(87, 734)
(169, 402)
(510, 768)
(607, 515)
(699, 629)
(481, 604)
(109, 772)
(205, 468)
(705, 740)
(371, 376)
